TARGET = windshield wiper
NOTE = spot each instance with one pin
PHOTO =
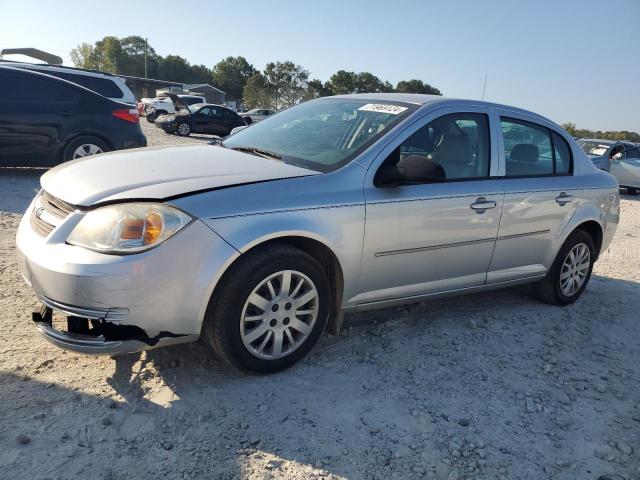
(258, 151)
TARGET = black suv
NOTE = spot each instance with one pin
(46, 120)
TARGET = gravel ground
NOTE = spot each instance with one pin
(488, 386)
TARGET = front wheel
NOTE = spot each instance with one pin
(568, 276)
(270, 310)
(183, 129)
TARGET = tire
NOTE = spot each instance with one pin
(227, 330)
(183, 129)
(550, 289)
(87, 144)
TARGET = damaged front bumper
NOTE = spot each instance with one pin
(121, 303)
(94, 331)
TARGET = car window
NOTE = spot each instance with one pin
(191, 100)
(103, 86)
(632, 152)
(562, 154)
(458, 142)
(24, 87)
(203, 111)
(323, 134)
(527, 148)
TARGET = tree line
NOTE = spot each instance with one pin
(612, 135)
(279, 85)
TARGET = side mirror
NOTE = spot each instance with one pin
(388, 176)
(411, 170)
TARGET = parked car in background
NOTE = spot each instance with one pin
(200, 118)
(256, 114)
(620, 158)
(154, 107)
(261, 242)
(45, 120)
(106, 84)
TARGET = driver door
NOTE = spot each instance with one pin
(429, 237)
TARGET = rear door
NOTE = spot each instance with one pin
(35, 114)
(541, 196)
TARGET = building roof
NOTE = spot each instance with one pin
(192, 86)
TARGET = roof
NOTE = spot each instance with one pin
(416, 98)
(423, 99)
(605, 141)
(191, 86)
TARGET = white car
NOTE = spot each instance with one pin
(106, 84)
(154, 107)
(256, 114)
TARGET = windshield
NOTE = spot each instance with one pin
(594, 148)
(322, 135)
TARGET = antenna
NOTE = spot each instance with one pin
(484, 86)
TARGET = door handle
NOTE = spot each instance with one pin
(563, 199)
(66, 114)
(481, 204)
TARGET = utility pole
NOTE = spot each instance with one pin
(484, 86)
(146, 46)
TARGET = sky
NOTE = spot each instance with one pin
(570, 60)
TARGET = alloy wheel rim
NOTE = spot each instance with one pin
(575, 269)
(86, 150)
(183, 128)
(279, 314)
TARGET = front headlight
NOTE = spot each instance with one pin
(128, 227)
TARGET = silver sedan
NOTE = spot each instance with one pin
(337, 205)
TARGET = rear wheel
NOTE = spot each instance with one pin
(270, 311)
(570, 272)
(83, 147)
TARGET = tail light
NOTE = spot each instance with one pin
(128, 114)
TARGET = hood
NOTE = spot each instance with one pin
(177, 101)
(159, 173)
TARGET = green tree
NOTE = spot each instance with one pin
(342, 82)
(366, 82)
(175, 68)
(133, 57)
(83, 56)
(287, 83)
(108, 55)
(416, 86)
(315, 89)
(231, 75)
(256, 92)
(199, 74)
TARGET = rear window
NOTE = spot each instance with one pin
(24, 87)
(103, 86)
(191, 100)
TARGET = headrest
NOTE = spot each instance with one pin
(525, 152)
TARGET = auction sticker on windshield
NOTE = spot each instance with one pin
(381, 108)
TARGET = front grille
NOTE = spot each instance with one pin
(48, 213)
